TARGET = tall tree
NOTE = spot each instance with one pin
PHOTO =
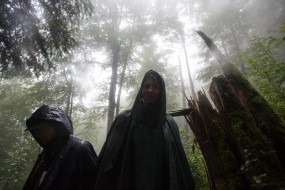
(182, 83)
(116, 27)
(188, 67)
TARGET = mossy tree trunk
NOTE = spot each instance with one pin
(238, 154)
(242, 139)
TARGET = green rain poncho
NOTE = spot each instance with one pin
(143, 150)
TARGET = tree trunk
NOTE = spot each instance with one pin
(113, 83)
(182, 83)
(121, 84)
(243, 140)
(182, 91)
(264, 116)
(225, 47)
(193, 94)
(221, 164)
(71, 99)
(125, 62)
(238, 50)
(70, 96)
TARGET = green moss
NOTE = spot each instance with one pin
(238, 112)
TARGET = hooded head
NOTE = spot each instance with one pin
(52, 120)
(151, 98)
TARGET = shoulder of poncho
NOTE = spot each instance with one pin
(78, 142)
(122, 116)
(170, 119)
(125, 113)
(172, 124)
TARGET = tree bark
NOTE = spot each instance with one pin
(182, 91)
(238, 49)
(113, 83)
(125, 62)
(121, 84)
(182, 83)
(264, 116)
(243, 139)
(193, 94)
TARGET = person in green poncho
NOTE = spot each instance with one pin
(143, 150)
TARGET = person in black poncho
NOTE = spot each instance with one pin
(66, 162)
(143, 150)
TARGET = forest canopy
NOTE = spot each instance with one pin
(88, 57)
(34, 32)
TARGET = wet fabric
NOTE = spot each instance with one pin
(70, 164)
(149, 157)
(143, 150)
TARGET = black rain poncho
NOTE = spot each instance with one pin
(71, 164)
(143, 150)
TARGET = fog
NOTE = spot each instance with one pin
(90, 61)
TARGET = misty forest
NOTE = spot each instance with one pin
(223, 63)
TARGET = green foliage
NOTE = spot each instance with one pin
(196, 160)
(33, 32)
(259, 181)
(21, 159)
(19, 97)
(18, 151)
(266, 68)
(206, 74)
(87, 123)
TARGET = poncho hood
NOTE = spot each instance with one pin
(138, 105)
(50, 113)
